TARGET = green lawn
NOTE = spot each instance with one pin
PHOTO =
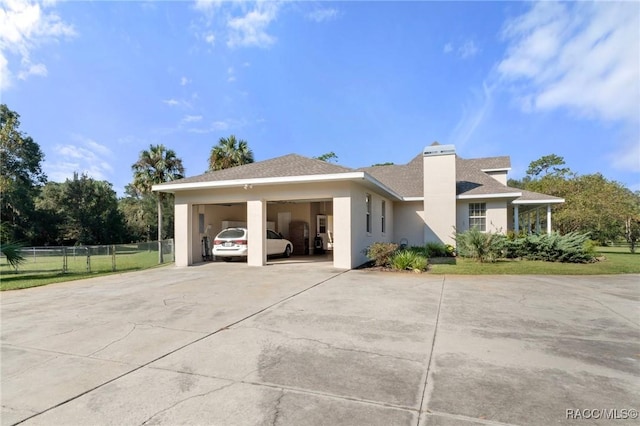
(45, 270)
(616, 260)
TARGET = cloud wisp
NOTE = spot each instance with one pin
(584, 57)
(24, 27)
(83, 155)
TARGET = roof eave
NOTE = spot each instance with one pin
(495, 195)
(279, 180)
(531, 202)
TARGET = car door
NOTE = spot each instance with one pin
(275, 243)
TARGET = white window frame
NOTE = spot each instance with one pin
(478, 216)
(367, 200)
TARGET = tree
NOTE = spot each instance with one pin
(84, 211)
(156, 165)
(21, 177)
(547, 165)
(229, 153)
(605, 209)
(327, 156)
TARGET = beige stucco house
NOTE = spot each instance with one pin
(424, 200)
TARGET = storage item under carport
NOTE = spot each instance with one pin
(299, 237)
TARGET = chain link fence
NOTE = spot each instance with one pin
(87, 259)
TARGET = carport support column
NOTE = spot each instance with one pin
(342, 256)
(548, 218)
(183, 222)
(516, 219)
(257, 226)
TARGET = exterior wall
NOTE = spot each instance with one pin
(439, 197)
(499, 176)
(408, 222)
(497, 215)
(361, 239)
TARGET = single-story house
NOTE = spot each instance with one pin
(425, 200)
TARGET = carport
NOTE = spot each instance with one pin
(330, 198)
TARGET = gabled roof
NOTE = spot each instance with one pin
(288, 165)
(407, 179)
(399, 181)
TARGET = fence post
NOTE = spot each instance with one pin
(113, 258)
(88, 259)
(65, 266)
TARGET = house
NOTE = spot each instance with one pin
(425, 200)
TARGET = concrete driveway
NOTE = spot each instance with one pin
(305, 344)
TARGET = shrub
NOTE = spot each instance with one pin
(572, 247)
(380, 253)
(481, 246)
(409, 260)
(434, 249)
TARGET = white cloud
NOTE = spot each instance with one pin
(468, 49)
(184, 81)
(251, 29)
(85, 155)
(322, 15)
(176, 102)
(473, 115)
(583, 57)
(464, 51)
(191, 118)
(210, 38)
(25, 26)
(231, 75)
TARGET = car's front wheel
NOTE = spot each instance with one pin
(287, 251)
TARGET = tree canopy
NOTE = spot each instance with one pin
(606, 209)
(21, 177)
(229, 152)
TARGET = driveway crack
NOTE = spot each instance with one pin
(433, 345)
(115, 341)
(182, 401)
(276, 413)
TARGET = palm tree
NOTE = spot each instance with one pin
(154, 166)
(229, 153)
(11, 251)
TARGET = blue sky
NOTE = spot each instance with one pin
(97, 82)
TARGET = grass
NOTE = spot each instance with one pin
(45, 270)
(617, 260)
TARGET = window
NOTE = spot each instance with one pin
(368, 202)
(478, 216)
(201, 223)
(384, 213)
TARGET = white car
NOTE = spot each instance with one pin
(232, 242)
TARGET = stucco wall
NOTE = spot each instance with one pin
(439, 197)
(361, 239)
(408, 220)
(497, 213)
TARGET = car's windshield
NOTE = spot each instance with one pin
(231, 233)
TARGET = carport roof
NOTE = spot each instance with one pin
(287, 165)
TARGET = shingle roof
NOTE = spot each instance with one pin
(404, 179)
(536, 196)
(288, 165)
(407, 179)
(471, 180)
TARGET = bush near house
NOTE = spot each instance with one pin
(380, 253)
(573, 247)
(409, 260)
(481, 246)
